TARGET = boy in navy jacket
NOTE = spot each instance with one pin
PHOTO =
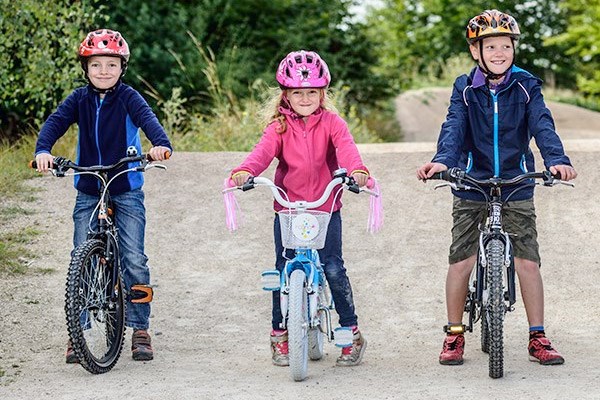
(494, 113)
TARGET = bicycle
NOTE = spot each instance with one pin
(491, 291)
(94, 295)
(305, 298)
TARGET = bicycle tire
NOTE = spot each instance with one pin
(495, 308)
(95, 308)
(316, 334)
(298, 326)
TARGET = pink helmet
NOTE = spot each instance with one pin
(303, 69)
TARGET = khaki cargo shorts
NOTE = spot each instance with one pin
(518, 219)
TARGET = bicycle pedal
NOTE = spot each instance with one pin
(343, 336)
(270, 280)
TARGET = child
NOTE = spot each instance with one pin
(310, 142)
(109, 114)
(493, 114)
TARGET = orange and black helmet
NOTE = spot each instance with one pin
(492, 23)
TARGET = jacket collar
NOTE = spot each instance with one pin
(479, 79)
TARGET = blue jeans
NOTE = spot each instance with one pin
(130, 219)
(333, 266)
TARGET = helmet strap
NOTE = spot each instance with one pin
(489, 75)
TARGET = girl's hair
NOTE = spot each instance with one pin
(270, 109)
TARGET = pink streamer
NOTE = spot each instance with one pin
(232, 220)
(375, 221)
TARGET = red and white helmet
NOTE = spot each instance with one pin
(303, 69)
(104, 42)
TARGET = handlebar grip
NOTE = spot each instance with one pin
(32, 164)
(167, 156)
(440, 175)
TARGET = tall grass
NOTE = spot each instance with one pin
(15, 195)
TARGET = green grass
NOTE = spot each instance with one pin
(14, 255)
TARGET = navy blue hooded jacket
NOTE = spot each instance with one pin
(107, 128)
(488, 134)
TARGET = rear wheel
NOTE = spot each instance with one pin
(496, 307)
(485, 333)
(95, 308)
(316, 334)
(298, 326)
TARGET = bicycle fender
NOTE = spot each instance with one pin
(141, 293)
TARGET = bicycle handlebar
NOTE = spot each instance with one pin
(61, 164)
(458, 176)
(347, 182)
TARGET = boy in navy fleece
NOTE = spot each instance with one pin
(109, 115)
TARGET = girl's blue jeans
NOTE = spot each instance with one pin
(333, 265)
(130, 218)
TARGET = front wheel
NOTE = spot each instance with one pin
(298, 326)
(495, 308)
(95, 308)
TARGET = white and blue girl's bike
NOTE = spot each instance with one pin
(306, 302)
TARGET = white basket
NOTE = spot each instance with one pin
(303, 229)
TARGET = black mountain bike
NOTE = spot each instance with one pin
(492, 283)
(95, 297)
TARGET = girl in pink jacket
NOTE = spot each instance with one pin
(310, 141)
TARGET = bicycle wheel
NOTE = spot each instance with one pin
(315, 335)
(495, 307)
(298, 326)
(95, 308)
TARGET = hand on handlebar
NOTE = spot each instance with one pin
(428, 170)
(239, 178)
(565, 172)
(360, 178)
(159, 153)
(44, 162)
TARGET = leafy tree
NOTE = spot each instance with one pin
(581, 39)
(414, 37)
(39, 40)
(247, 38)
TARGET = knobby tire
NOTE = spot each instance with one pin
(95, 308)
(496, 306)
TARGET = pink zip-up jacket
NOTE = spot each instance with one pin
(308, 154)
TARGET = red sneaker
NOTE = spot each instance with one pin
(279, 348)
(541, 350)
(452, 352)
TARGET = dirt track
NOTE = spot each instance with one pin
(210, 319)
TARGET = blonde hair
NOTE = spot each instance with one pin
(270, 109)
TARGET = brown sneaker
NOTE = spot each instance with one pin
(141, 346)
(71, 357)
(279, 348)
(352, 355)
(453, 350)
(541, 350)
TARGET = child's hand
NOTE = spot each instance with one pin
(159, 153)
(566, 172)
(360, 178)
(44, 162)
(427, 170)
(239, 178)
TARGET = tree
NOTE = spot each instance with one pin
(247, 37)
(417, 36)
(580, 41)
(39, 40)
